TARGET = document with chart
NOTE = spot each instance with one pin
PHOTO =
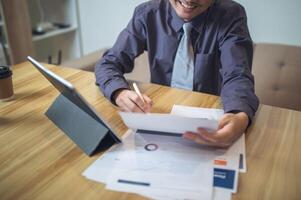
(153, 163)
(167, 166)
(238, 148)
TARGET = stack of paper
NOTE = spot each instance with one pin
(156, 162)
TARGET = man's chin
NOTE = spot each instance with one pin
(186, 19)
(185, 16)
(188, 14)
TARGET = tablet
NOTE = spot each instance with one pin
(69, 91)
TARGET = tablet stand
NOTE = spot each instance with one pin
(89, 134)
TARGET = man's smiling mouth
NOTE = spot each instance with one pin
(187, 5)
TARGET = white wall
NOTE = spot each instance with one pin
(102, 20)
(274, 21)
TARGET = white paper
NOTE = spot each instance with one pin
(102, 169)
(166, 122)
(221, 194)
(176, 168)
(195, 112)
(238, 147)
(123, 161)
(163, 194)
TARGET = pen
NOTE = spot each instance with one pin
(138, 92)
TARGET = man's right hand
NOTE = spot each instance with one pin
(129, 101)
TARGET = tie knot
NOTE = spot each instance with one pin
(187, 28)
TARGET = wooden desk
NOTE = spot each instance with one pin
(37, 161)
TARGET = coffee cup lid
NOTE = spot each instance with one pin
(5, 71)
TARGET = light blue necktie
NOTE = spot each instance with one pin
(182, 75)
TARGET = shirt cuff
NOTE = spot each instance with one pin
(238, 111)
(236, 107)
(112, 86)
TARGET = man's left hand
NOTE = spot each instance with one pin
(231, 126)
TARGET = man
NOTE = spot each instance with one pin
(222, 51)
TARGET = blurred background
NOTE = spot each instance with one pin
(75, 33)
(57, 31)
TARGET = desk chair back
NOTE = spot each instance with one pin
(277, 71)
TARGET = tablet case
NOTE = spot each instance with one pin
(90, 135)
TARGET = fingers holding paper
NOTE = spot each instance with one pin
(231, 126)
(129, 101)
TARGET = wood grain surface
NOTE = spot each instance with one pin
(37, 161)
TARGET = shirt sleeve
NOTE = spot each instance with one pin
(120, 58)
(236, 49)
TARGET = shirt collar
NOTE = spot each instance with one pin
(176, 21)
(199, 20)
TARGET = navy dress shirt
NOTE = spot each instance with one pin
(223, 52)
